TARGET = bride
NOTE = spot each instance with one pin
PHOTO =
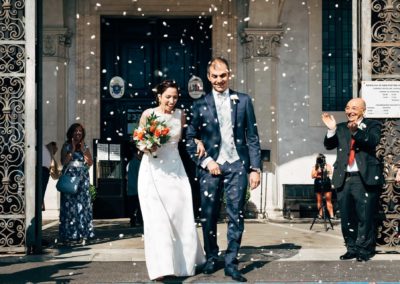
(172, 246)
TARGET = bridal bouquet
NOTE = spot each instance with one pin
(153, 133)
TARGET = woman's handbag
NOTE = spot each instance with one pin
(68, 183)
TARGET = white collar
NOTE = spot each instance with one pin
(225, 93)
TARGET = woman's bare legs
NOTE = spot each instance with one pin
(319, 203)
(329, 206)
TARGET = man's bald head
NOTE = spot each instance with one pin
(355, 109)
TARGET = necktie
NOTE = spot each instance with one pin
(352, 154)
(220, 107)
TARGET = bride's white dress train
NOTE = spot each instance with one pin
(172, 246)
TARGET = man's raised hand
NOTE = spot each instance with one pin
(329, 120)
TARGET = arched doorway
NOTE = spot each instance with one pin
(142, 52)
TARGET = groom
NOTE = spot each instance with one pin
(224, 121)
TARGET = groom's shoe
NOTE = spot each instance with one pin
(348, 255)
(235, 275)
(210, 267)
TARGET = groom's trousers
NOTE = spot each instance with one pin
(233, 182)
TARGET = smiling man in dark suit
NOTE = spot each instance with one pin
(224, 121)
(357, 177)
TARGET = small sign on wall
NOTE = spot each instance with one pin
(382, 98)
(117, 87)
(195, 87)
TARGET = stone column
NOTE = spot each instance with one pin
(260, 41)
(56, 41)
(55, 63)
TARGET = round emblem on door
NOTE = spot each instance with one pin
(195, 87)
(117, 87)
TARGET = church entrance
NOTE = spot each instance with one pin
(137, 54)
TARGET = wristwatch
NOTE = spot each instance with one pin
(255, 170)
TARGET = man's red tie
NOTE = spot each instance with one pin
(352, 154)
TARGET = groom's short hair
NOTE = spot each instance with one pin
(221, 59)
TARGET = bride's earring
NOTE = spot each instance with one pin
(159, 103)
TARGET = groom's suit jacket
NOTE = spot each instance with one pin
(204, 125)
(366, 140)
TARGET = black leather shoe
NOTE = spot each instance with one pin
(210, 267)
(362, 258)
(348, 255)
(235, 275)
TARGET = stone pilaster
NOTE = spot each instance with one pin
(261, 43)
(56, 41)
(261, 62)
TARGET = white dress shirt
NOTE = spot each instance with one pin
(353, 167)
(46, 157)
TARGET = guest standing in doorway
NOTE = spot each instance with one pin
(76, 216)
(48, 161)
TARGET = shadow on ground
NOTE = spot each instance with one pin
(105, 231)
(48, 272)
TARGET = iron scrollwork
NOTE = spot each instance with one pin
(385, 16)
(389, 151)
(385, 55)
(12, 124)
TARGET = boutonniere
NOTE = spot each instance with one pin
(234, 98)
(362, 126)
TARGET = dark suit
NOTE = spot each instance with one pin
(233, 181)
(358, 193)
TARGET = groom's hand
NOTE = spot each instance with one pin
(254, 179)
(213, 168)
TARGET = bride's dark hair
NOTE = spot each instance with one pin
(164, 85)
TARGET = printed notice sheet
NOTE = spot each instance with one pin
(382, 98)
(115, 152)
(102, 152)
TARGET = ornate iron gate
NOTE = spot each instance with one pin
(17, 122)
(385, 56)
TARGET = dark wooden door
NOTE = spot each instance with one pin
(144, 52)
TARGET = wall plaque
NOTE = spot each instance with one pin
(117, 87)
(382, 98)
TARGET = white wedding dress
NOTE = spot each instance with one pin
(172, 246)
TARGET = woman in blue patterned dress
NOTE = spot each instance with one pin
(76, 209)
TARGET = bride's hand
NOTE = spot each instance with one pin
(201, 151)
(152, 149)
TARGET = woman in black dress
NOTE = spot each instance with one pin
(322, 173)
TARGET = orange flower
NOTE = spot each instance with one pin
(138, 134)
(157, 133)
(164, 131)
(152, 128)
